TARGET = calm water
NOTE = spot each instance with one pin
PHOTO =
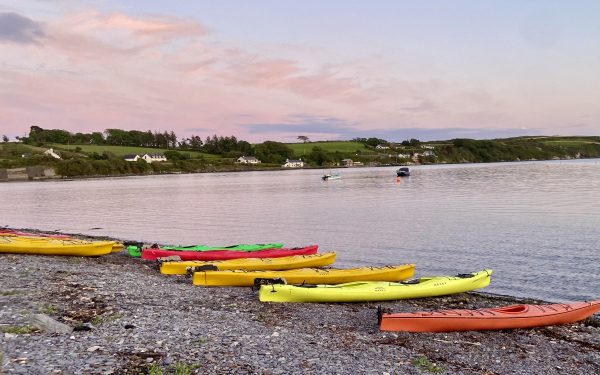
(536, 224)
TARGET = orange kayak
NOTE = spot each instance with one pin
(509, 317)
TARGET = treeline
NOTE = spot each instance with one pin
(273, 154)
(134, 138)
(373, 142)
(514, 149)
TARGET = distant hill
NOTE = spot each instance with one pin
(127, 150)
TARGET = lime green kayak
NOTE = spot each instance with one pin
(135, 250)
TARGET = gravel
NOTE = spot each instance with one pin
(130, 319)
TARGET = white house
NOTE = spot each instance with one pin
(131, 157)
(50, 152)
(151, 158)
(428, 153)
(293, 163)
(248, 160)
(382, 147)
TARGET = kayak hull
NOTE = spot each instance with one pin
(369, 291)
(54, 246)
(9, 232)
(509, 317)
(252, 264)
(304, 275)
(239, 247)
(135, 251)
(153, 254)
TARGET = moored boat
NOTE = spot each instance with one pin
(304, 275)
(509, 317)
(403, 172)
(331, 176)
(153, 254)
(364, 291)
(54, 246)
(250, 264)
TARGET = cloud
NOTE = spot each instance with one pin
(15, 28)
(342, 130)
(93, 35)
(288, 75)
(302, 124)
(437, 134)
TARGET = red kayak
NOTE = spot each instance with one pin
(153, 254)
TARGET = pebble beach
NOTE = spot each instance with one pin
(127, 318)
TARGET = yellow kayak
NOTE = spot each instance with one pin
(304, 275)
(54, 246)
(251, 264)
(117, 247)
(10, 233)
(365, 291)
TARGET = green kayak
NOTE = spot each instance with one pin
(135, 249)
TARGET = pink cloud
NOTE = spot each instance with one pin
(98, 70)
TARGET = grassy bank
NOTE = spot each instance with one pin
(100, 159)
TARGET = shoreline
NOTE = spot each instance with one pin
(132, 319)
(271, 169)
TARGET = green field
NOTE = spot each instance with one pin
(340, 146)
(570, 142)
(125, 150)
(20, 147)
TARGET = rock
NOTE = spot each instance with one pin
(45, 323)
(129, 326)
(93, 348)
(83, 327)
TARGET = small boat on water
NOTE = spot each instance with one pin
(364, 291)
(509, 317)
(331, 176)
(403, 171)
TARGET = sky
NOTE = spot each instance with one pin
(325, 69)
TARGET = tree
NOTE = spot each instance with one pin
(303, 138)
(374, 141)
(273, 152)
(172, 139)
(414, 142)
(176, 155)
(96, 138)
(319, 156)
(4, 138)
